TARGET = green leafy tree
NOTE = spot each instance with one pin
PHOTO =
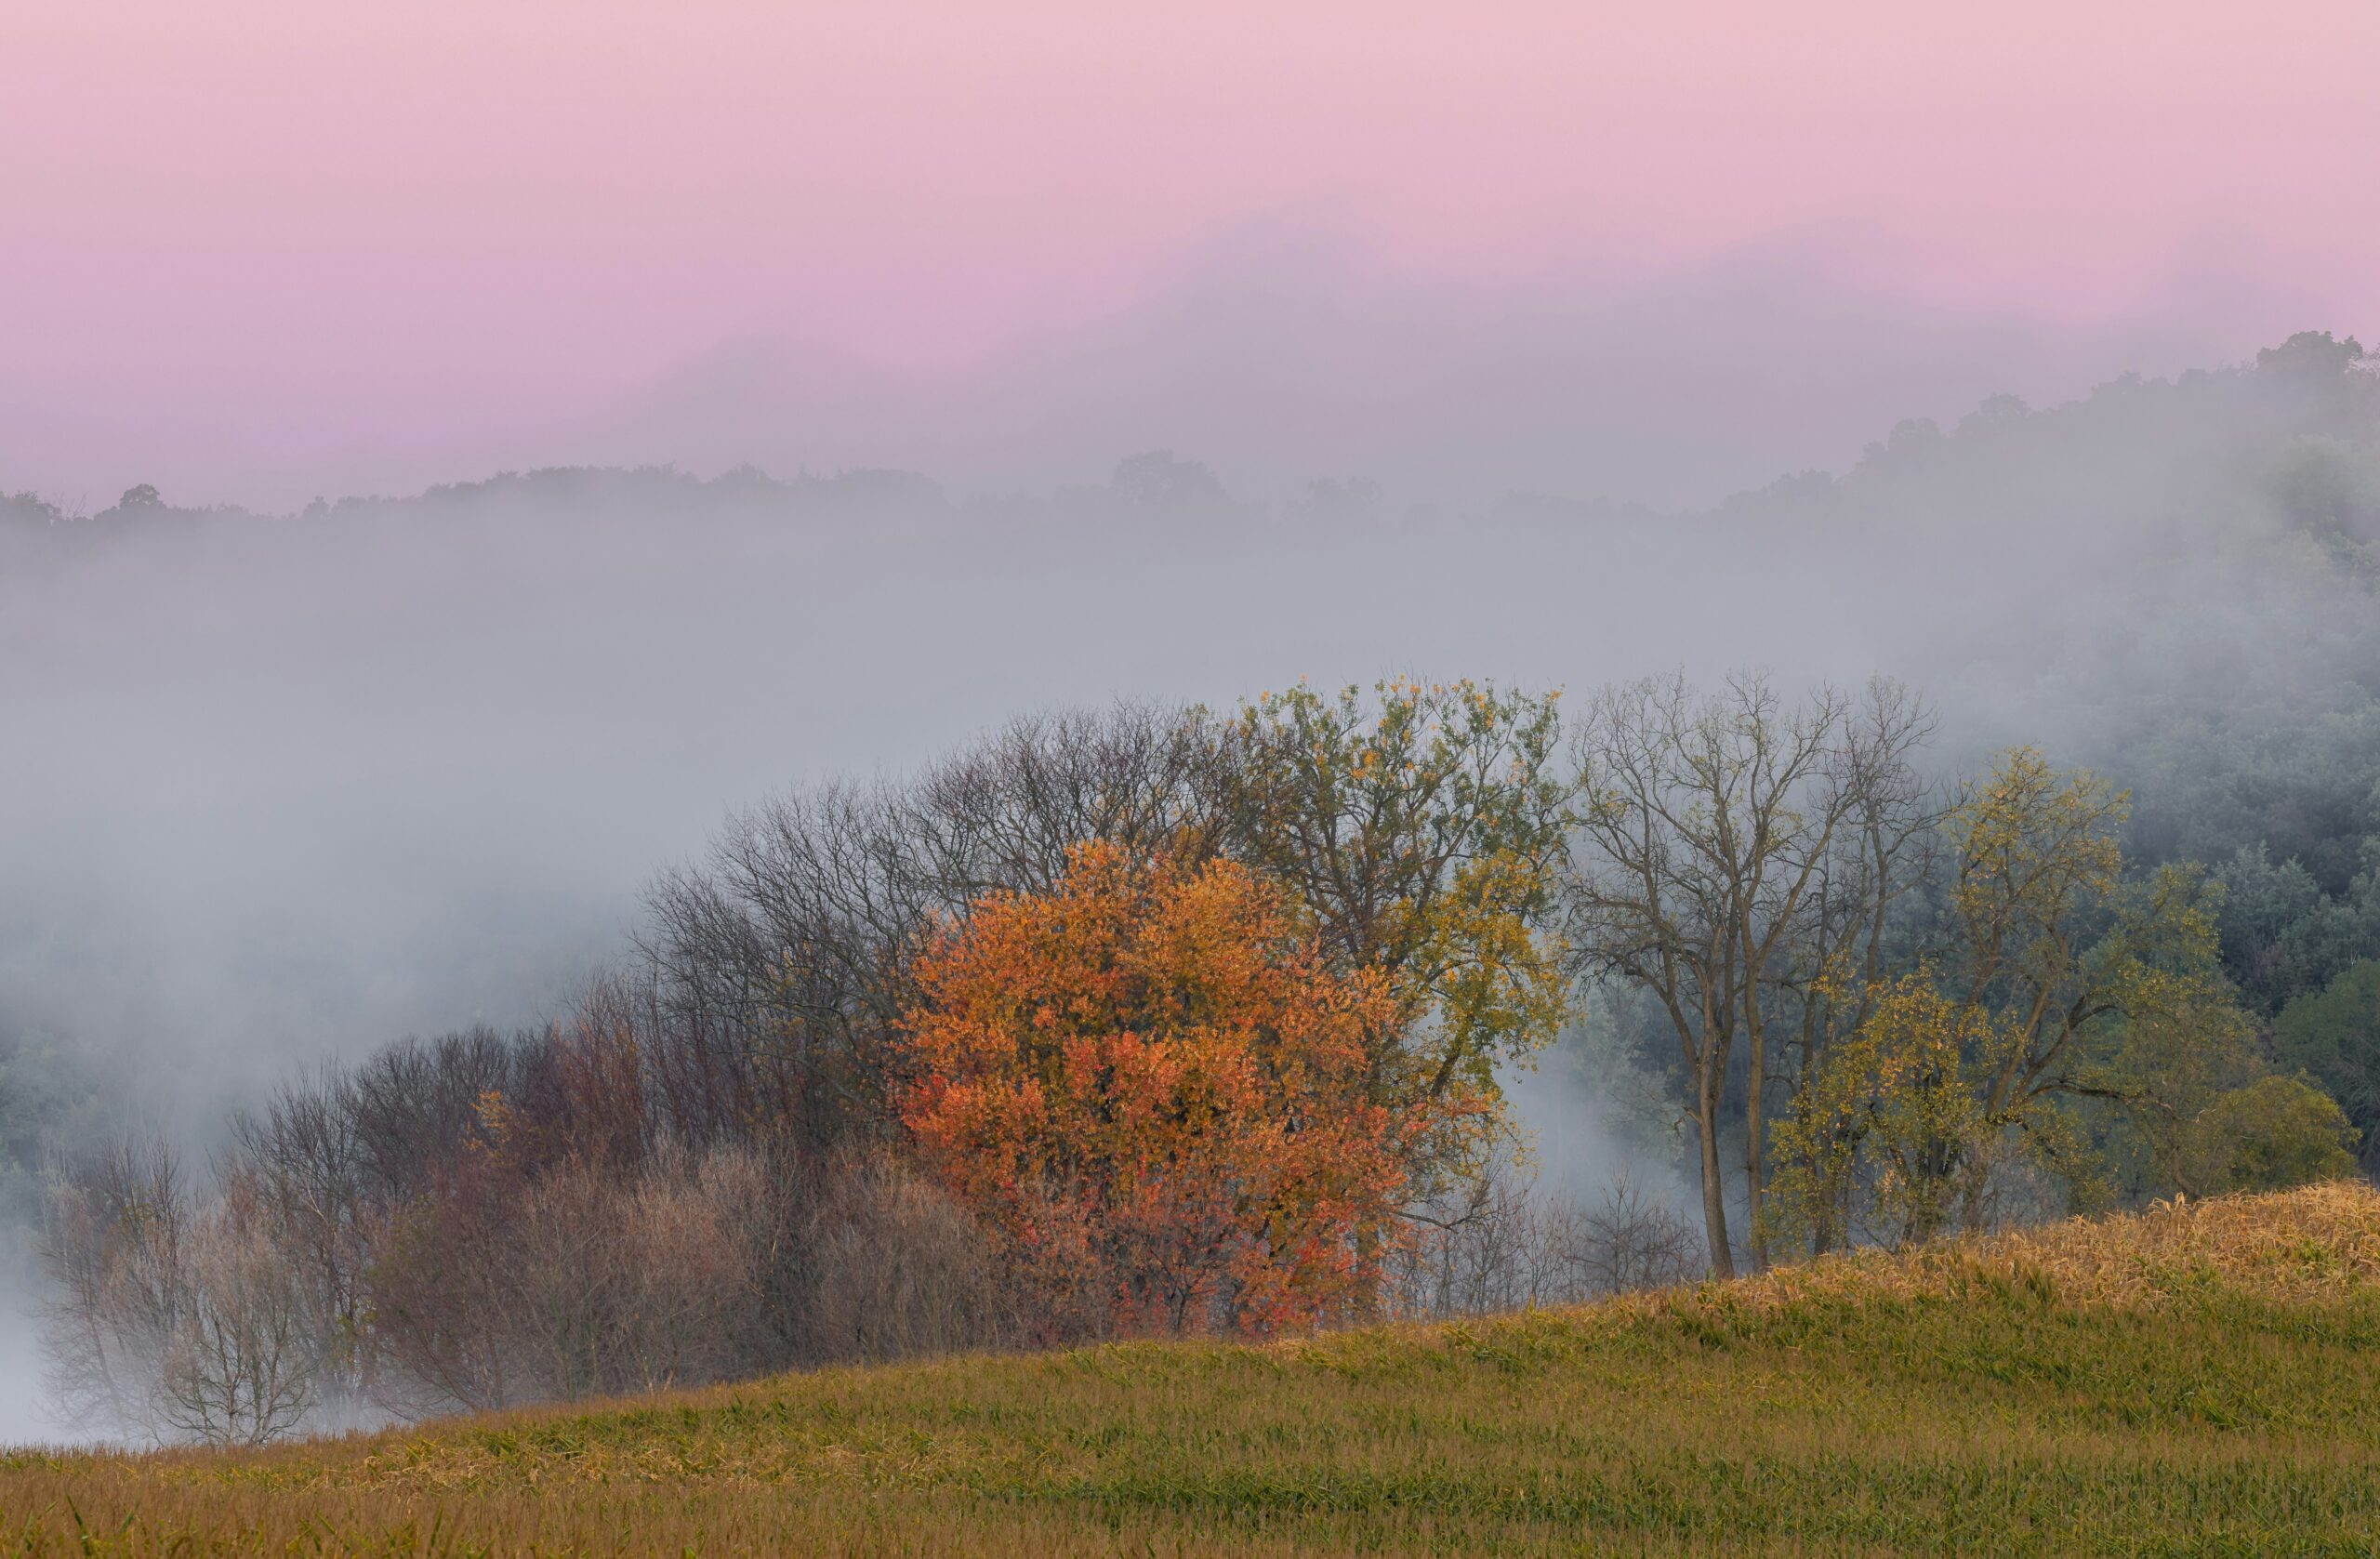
(2099, 988)
(2283, 936)
(2333, 1034)
(2274, 1134)
(2074, 1016)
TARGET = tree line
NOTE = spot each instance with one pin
(1153, 1021)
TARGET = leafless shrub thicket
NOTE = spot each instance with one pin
(1503, 1242)
(519, 1255)
(241, 1366)
(902, 1271)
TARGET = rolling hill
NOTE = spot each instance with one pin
(2201, 1378)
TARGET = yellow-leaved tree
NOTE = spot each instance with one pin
(1424, 828)
(2073, 1022)
(1875, 1143)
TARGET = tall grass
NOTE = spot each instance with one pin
(2198, 1379)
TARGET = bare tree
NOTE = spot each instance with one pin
(778, 967)
(1004, 812)
(239, 1367)
(416, 1103)
(1710, 835)
(443, 1281)
(114, 1244)
(694, 1230)
(301, 1163)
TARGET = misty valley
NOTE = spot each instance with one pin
(471, 956)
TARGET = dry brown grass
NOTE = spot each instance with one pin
(2312, 1244)
(2198, 1377)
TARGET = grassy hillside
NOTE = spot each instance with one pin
(2201, 1379)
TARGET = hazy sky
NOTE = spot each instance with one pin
(257, 237)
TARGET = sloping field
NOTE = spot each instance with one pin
(2201, 1379)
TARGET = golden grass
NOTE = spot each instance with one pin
(2317, 1243)
(2201, 1378)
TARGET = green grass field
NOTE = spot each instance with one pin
(2200, 1379)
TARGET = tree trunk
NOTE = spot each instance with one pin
(1755, 1236)
(1364, 1301)
(1715, 1188)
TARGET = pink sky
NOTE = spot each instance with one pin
(306, 226)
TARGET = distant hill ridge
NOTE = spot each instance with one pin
(2301, 417)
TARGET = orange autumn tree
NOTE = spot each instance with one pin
(1147, 1082)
